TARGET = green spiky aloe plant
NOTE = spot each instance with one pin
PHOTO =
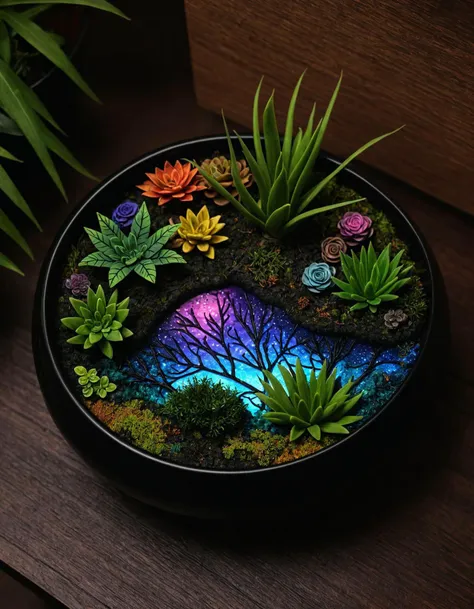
(371, 279)
(22, 111)
(98, 322)
(308, 405)
(137, 251)
(284, 172)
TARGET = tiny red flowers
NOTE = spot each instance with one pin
(172, 182)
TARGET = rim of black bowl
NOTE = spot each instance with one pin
(48, 272)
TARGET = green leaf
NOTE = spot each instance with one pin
(351, 403)
(87, 392)
(288, 379)
(8, 264)
(47, 45)
(80, 370)
(319, 210)
(8, 126)
(333, 428)
(279, 194)
(346, 287)
(302, 382)
(167, 257)
(123, 304)
(111, 387)
(369, 291)
(121, 315)
(319, 187)
(388, 297)
(308, 134)
(315, 431)
(349, 420)
(92, 298)
(102, 393)
(258, 173)
(34, 11)
(296, 432)
(78, 305)
(343, 295)
(5, 45)
(117, 272)
(8, 155)
(101, 242)
(141, 225)
(159, 239)
(147, 270)
(11, 191)
(115, 336)
(257, 142)
(226, 194)
(106, 349)
(246, 198)
(16, 106)
(77, 340)
(98, 4)
(56, 146)
(288, 138)
(108, 228)
(278, 393)
(32, 99)
(279, 418)
(95, 337)
(126, 333)
(5, 49)
(7, 226)
(277, 220)
(359, 306)
(72, 322)
(98, 259)
(271, 136)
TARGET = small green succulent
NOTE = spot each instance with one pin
(137, 251)
(371, 280)
(92, 383)
(283, 169)
(310, 404)
(99, 322)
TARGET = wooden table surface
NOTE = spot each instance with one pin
(404, 541)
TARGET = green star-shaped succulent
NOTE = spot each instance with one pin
(137, 251)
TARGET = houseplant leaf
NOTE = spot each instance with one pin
(8, 264)
(15, 105)
(99, 4)
(7, 226)
(46, 44)
(12, 192)
(5, 48)
(271, 136)
(8, 126)
(8, 155)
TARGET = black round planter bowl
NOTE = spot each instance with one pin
(216, 493)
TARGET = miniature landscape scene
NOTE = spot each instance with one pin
(244, 309)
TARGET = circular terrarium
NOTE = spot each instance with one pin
(228, 317)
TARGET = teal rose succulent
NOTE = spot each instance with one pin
(317, 277)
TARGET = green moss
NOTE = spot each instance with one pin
(267, 265)
(138, 425)
(202, 405)
(262, 447)
(72, 262)
(414, 303)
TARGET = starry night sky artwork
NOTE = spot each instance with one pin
(230, 336)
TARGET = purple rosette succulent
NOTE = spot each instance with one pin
(317, 277)
(355, 228)
(78, 283)
(123, 214)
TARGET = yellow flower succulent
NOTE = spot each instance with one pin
(199, 231)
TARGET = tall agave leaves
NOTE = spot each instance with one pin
(283, 168)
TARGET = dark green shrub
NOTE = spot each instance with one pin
(205, 406)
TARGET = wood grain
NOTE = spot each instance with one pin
(404, 540)
(404, 62)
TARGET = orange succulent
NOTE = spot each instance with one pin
(178, 182)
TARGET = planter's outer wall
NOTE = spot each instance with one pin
(202, 492)
(405, 62)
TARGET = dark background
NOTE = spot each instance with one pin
(405, 541)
